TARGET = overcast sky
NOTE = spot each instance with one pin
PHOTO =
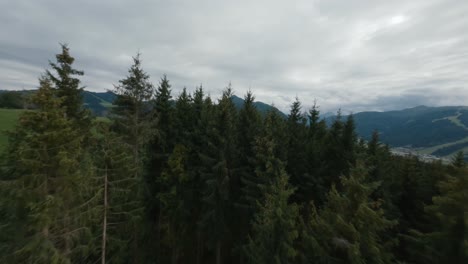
(354, 54)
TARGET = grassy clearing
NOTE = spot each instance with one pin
(456, 121)
(434, 148)
(8, 119)
(107, 104)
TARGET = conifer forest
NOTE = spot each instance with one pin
(187, 178)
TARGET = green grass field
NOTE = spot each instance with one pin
(8, 119)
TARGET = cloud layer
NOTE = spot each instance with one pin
(354, 54)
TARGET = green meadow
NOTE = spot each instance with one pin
(8, 119)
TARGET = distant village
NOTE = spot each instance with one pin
(407, 152)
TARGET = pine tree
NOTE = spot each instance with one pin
(132, 115)
(68, 87)
(165, 110)
(297, 156)
(134, 120)
(349, 141)
(334, 152)
(449, 242)
(312, 186)
(176, 200)
(44, 178)
(203, 116)
(274, 229)
(248, 128)
(458, 160)
(117, 206)
(349, 228)
(218, 159)
(265, 167)
(184, 121)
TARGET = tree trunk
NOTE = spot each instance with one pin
(104, 223)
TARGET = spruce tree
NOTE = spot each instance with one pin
(265, 165)
(312, 186)
(68, 87)
(184, 120)
(117, 206)
(449, 241)
(274, 229)
(334, 152)
(297, 159)
(176, 200)
(248, 128)
(43, 184)
(134, 120)
(218, 159)
(349, 228)
(458, 160)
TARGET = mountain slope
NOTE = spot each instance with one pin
(441, 130)
(261, 107)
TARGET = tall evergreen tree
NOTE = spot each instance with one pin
(184, 120)
(68, 86)
(176, 198)
(135, 122)
(115, 186)
(458, 160)
(297, 158)
(218, 159)
(448, 243)
(312, 186)
(274, 229)
(334, 152)
(349, 228)
(43, 179)
(248, 128)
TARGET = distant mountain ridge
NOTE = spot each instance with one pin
(440, 131)
(261, 106)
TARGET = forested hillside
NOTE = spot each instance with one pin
(441, 131)
(186, 178)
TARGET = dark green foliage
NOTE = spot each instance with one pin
(41, 177)
(338, 152)
(176, 200)
(118, 194)
(248, 130)
(68, 87)
(12, 99)
(274, 229)
(350, 228)
(449, 242)
(134, 120)
(459, 160)
(266, 167)
(297, 136)
(312, 184)
(218, 175)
